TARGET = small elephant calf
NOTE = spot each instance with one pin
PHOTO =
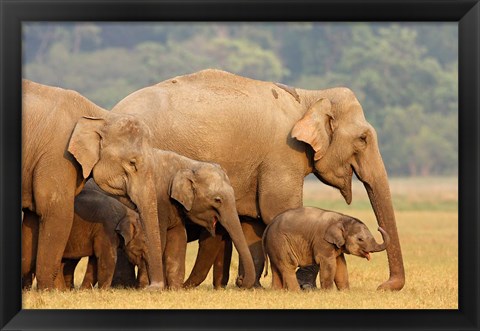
(305, 236)
(98, 222)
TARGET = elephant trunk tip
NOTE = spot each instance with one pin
(386, 241)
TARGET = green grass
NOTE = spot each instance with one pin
(427, 222)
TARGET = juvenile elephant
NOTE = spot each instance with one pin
(98, 222)
(65, 139)
(305, 236)
(268, 137)
(200, 193)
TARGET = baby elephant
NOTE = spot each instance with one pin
(305, 236)
(98, 223)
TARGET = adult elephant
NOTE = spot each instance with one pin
(66, 138)
(268, 137)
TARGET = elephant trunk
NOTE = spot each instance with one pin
(231, 222)
(386, 241)
(145, 198)
(379, 194)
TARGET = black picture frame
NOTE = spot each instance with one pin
(13, 13)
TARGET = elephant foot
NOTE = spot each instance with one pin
(307, 277)
(308, 287)
(257, 285)
(157, 286)
(393, 284)
(239, 283)
(27, 283)
(58, 285)
(192, 282)
(220, 287)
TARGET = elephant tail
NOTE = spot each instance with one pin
(265, 255)
(265, 274)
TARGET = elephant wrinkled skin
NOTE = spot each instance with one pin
(268, 137)
(305, 236)
(65, 139)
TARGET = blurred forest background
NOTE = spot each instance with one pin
(405, 75)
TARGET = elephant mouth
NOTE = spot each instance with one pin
(212, 228)
(366, 255)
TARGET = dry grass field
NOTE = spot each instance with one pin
(427, 219)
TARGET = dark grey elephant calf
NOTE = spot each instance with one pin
(305, 236)
(99, 223)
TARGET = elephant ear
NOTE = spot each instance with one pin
(316, 127)
(85, 142)
(335, 234)
(126, 229)
(182, 188)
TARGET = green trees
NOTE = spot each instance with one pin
(405, 75)
(408, 94)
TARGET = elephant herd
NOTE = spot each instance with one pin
(209, 156)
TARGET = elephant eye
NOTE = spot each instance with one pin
(133, 164)
(218, 200)
(361, 142)
(360, 239)
(363, 138)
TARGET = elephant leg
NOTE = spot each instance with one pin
(341, 276)
(277, 283)
(54, 197)
(106, 254)
(307, 276)
(328, 268)
(278, 193)
(105, 272)
(208, 249)
(69, 266)
(253, 231)
(221, 266)
(124, 275)
(174, 256)
(29, 247)
(289, 279)
(27, 280)
(90, 277)
(275, 195)
(53, 235)
(274, 201)
(142, 276)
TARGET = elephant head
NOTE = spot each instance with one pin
(354, 237)
(131, 230)
(207, 196)
(344, 143)
(116, 150)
